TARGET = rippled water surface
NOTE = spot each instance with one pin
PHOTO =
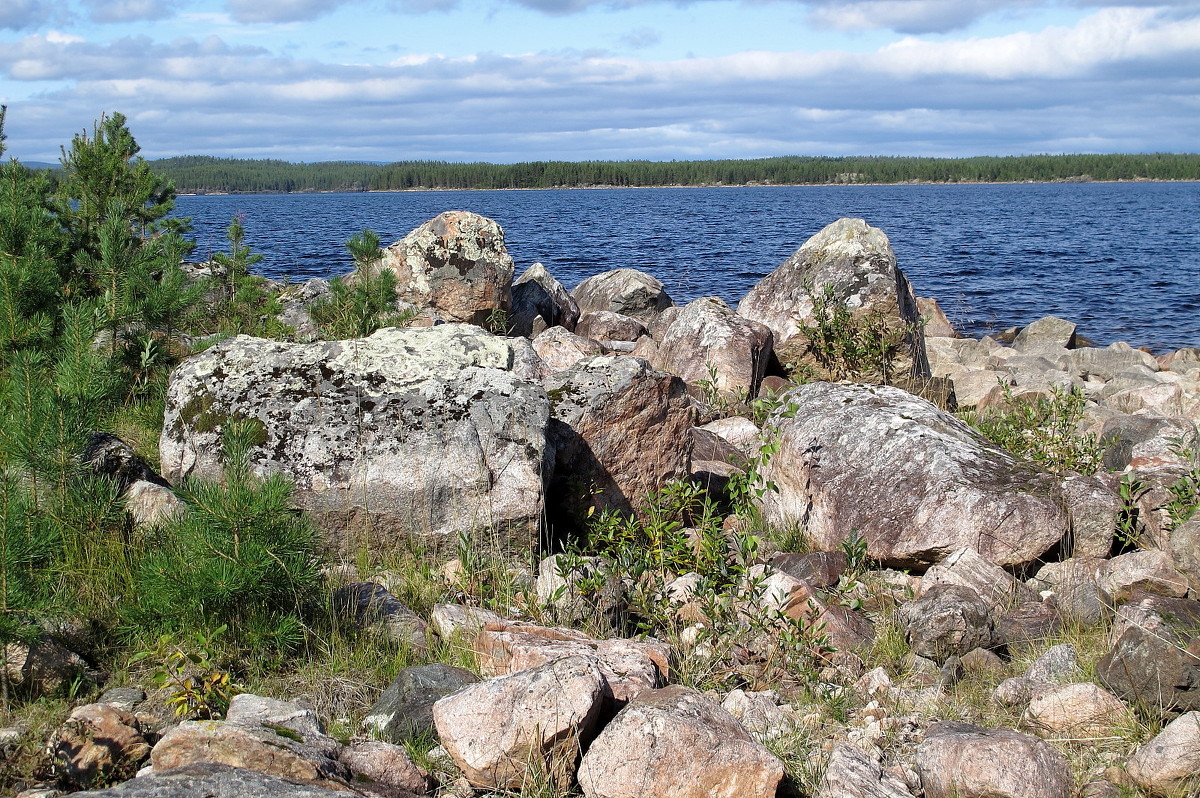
(1120, 259)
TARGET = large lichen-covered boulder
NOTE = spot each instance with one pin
(706, 340)
(915, 482)
(619, 432)
(855, 263)
(456, 264)
(428, 431)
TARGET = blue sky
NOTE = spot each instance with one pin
(511, 80)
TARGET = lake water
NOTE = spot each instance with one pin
(1120, 259)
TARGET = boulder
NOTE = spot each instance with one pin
(966, 568)
(99, 744)
(738, 430)
(678, 742)
(1140, 571)
(579, 588)
(1185, 553)
(560, 349)
(1093, 508)
(946, 621)
(255, 712)
(42, 666)
(1171, 761)
(1075, 589)
(626, 291)
(258, 748)
(405, 709)
(817, 568)
(456, 264)
(214, 780)
(619, 432)
(1049, 335)
(1082, 709)
(1155, 657)
(369, 604)
(431, 431)
(851, 773)
(760, 713)
(606, 326)
(935, 323)
(503, 732)
(855, 263)
(706, 340)
(297, 301)
(151, 505)
(540, 302)
(381, 764)
(1106, 362)
(1029, 622)
(959, 760)
(914, 481)
(1143, 442)
(1057, 665)
(629, 667)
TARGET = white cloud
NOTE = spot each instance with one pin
(1121, 79)
(112, 11)
(281, 10)
(28, 14)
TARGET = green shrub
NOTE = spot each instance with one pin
(238, 557)
(842, 345)
(1044, 430)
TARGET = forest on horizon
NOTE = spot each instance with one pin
(208, 174)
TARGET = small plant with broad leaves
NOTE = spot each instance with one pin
(1185, 491)
(185, 668)
(1043, 429)
(1129, 526)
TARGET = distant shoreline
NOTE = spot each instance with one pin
(712, 185)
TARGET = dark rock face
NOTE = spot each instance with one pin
(108, 455)
(817, 568)
(915, 482)
(425, 431)
(855, 262)
(370, 604)
(947, 621)
(626, 291)
(1155, 658)
(540, 302)
(455, 264)
(212, 780)
(406, 707)
(619, 431)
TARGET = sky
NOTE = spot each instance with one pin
(518, 80)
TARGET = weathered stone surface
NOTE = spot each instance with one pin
(1140, 571)
(1093, 508)
(620, 426)
(817, 568)
(914, 481)
(959, 760)
(213, 780)
(370, 604)
(560, 349)
(1080, 710)
(677, 742)
(255, 712)
(258, 748)
(150, 504)
(973, 386)
(426, 431)
(458, 620)
(558, 586)
(504, 731)
(1143, 441)
(1106, 362)
(405, 709)
(629, 667)
(98, 744)
(856, 263)
(705, 338)
(1171, 761)
(1185, 553)
(604, 325)
(41, 666)
(1076, 591)
(1155, 656)
(297, 301)
(626, 291)
(383, 764)
(936, 323)
(853, 774)
(760, 713)
(947, 620)
(1027, 623)
(540, 301)
(966, 568)
(1057, 665)
(738, 430)
(457, 264)
(1049, 334)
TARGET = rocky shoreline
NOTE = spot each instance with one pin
(1053, 581)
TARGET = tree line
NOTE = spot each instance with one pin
(207, 174)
